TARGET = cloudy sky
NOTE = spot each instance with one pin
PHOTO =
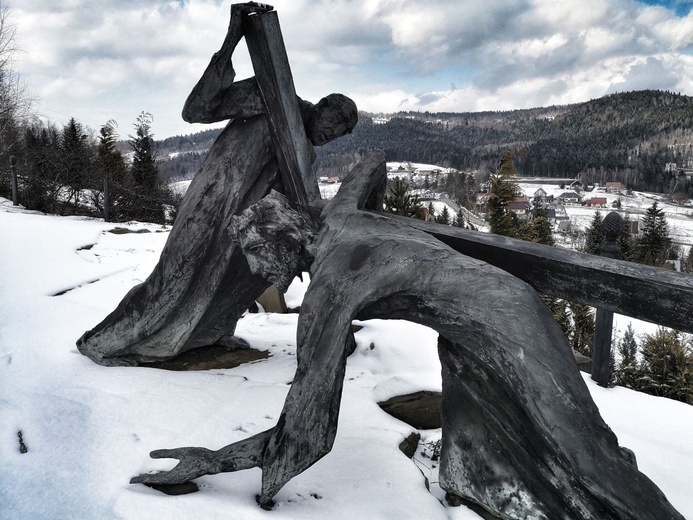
(112, 59)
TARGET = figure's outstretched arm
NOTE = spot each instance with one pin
(216, 97)
(197, 462)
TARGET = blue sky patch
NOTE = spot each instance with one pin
(680, 7)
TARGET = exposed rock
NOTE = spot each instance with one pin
(583, 362)
(175, 489)
(409, 445)
(124, 231)
(272, 300)
(211, 357)
(420, 409)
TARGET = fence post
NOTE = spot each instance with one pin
(13, 172)
(106, 200)
(601, 353)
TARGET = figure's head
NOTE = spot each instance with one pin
(274, 238)
(334, 116)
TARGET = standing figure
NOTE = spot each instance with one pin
(202, 283)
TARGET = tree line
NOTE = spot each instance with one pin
(633, 137)
(629, 137)
(69, 171)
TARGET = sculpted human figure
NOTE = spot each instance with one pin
(202, 284)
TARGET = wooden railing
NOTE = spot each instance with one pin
(646, 293)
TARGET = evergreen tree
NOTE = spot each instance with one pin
(77, 159)
(431, 211)
(145, 174)
(652, 246)
(627, 369)
(112, 161)
(583, 328)
(687, 266)
(42, 162)
(400, 202)
(144, 170)
(114, 169)
(595, 235)
(444, 217)
(506, 166)
(560, 313)
(625, 241)
(503, 192)
(459, 220)
(538, 229)
(667, 365)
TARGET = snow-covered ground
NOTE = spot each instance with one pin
(88, 429)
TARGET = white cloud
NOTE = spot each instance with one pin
(116, 58)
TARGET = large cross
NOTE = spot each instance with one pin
(273, 75)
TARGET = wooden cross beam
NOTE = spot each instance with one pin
(273, 74)
(646, 293)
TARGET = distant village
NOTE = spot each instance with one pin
(569, 203)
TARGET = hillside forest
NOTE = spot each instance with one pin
(643, 139)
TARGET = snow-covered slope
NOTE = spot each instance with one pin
(88, 428)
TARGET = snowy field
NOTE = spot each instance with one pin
(88, 429)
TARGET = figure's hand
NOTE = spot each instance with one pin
(194, 463)
(239, 10)
(238, 13)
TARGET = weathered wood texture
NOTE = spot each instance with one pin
(642, 292)
(273, 74)
(612, 227)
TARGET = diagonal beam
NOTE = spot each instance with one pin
(646, 293)
(273, 74)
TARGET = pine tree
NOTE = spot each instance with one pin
(76, 160)
(538, 229)
(583, 328)
(595, 235)
(115, 171)
(688, 262)
(459, 220)
(667, 365)
(502, 195)
(113, 164)
(400, 202)
(627, 369)
(430, 210)
(150, 194)
(43, 164)
(625, 241)
(444, 217)
(144, 170)
(560, 313)
(652, 246)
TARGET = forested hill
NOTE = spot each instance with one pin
(630, 137)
